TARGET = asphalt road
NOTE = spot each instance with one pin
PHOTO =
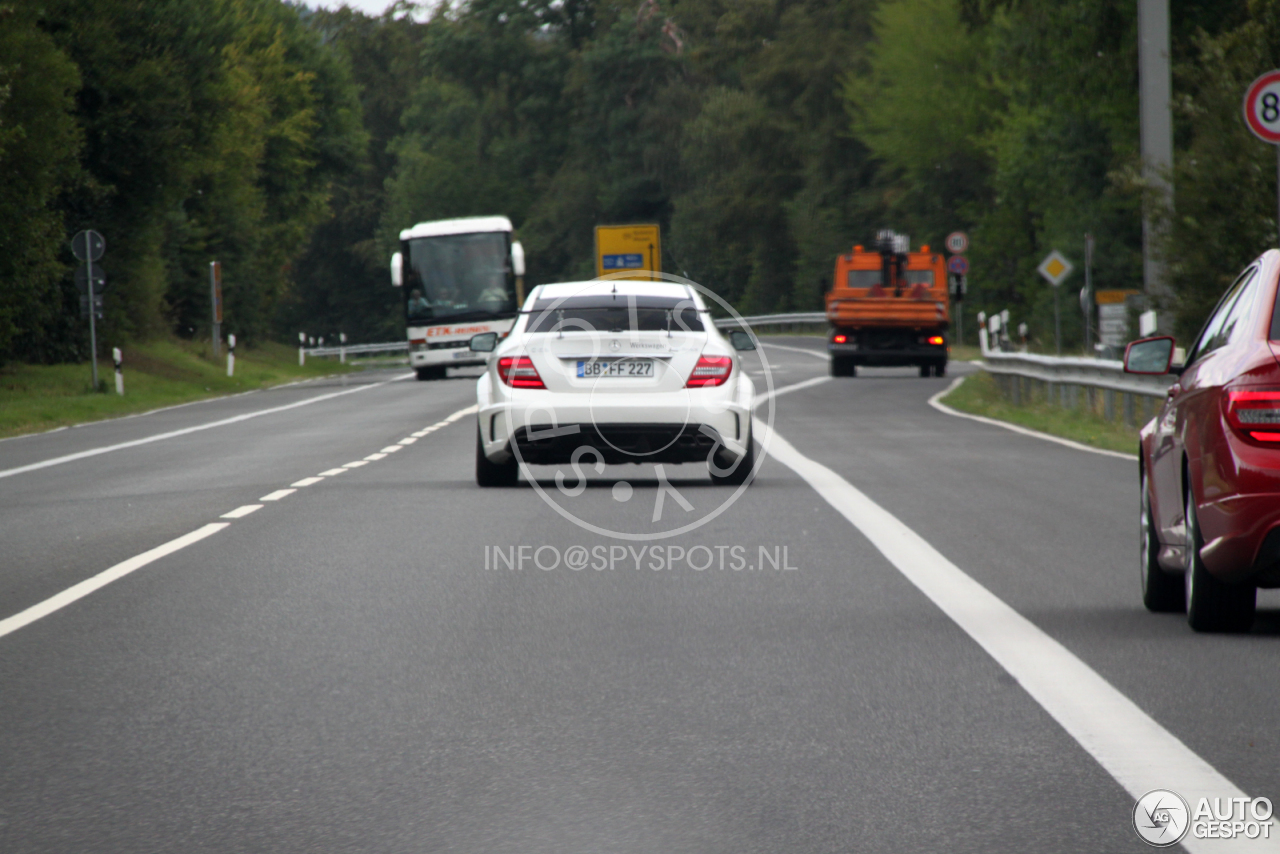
(353, 666)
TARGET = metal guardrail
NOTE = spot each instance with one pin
(797, 317)
(1063, 378)
(357, 349)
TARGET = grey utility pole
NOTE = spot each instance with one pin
(1155, 94)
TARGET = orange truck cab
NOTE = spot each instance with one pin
(890, 307)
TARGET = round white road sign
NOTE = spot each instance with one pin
(1262, 107)
(957, 242)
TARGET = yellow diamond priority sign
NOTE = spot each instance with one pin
(1055, 268)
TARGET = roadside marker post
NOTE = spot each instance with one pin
(231, 354)
(342, 348)
(302, 352)
(116, 357)
(1262, 115)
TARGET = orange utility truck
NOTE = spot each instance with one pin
(889, 306)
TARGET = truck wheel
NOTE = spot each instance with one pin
(843, 367)
(489, 473)
(940, 369)
(926, 370)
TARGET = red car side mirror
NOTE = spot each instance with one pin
(1149, 356)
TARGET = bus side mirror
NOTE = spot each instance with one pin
(741, 340)
(485, 342)
(397, 270)
(517, 258)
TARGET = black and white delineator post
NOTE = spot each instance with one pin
(115, 357)
(302, 349)
(231, 354)
(342, 347)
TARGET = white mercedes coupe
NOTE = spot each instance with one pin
(609, 372)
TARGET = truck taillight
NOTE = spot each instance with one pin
(519, 372)
(936, 339)
(710, 371)
(1254, 412)
(840, 339)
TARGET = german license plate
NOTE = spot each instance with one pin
(593, 368)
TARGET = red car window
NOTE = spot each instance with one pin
(1211, 337)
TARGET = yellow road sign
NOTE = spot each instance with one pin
(623, 248)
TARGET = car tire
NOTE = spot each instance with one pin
(1162, 592)
(742, 471)
(843, 367)
(1213, 605)
(489, 473)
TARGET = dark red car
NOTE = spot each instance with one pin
(1210, 460)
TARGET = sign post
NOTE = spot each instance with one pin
(215, 295)
(88, 247)
(1262, 115)
(629, 247)
(1055, 268)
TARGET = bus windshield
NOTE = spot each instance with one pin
(458, 275)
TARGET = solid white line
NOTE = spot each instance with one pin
(1139, 753)
(106, 449)
(814, 353)
(278, 494)
(102, 579)
(936, 403)
(307, 481)
(241, 511)
(332, 472)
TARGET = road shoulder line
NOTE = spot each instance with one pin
(936, 402)
(1130, 745)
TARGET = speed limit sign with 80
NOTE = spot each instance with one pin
(1262, 107)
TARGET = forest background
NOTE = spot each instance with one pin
(765, 136)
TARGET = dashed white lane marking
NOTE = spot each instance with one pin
(307, 481)
(332, 472)
(242, 511)
(106, 449)
(355, 464)
(375, 457)
(1139, 753)
(102, 579)
(390, 449)
(936, 403)
(408, 440)
(278, 494)
(814, 353)
(461, 413)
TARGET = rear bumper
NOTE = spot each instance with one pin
(458, 357)
(923, 354)
(622, 443)
(1250, 547)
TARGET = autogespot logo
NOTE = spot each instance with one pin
(1161, 818)
(642, 351)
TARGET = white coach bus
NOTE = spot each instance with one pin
(459, 277)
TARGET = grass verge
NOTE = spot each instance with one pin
(34, 398)
(979, 395)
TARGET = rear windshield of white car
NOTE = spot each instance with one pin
(615, 313)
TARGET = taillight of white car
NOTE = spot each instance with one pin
(710, 371)
(519, 372)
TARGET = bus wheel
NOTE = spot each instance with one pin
(489, 473)
(432, 373)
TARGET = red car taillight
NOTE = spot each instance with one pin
(710, 371)
(519, 372)
(1254, 412)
